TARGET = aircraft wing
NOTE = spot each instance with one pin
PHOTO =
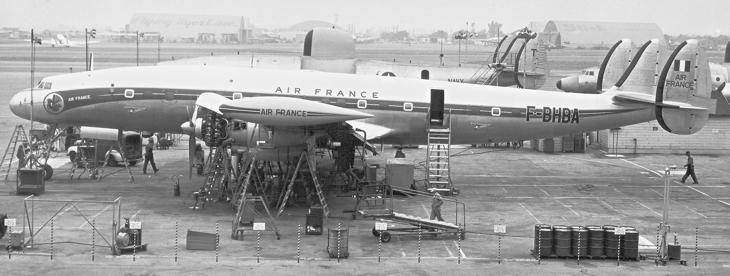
(278, 110)
(289, 112)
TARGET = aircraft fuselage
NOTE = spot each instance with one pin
(162, 98)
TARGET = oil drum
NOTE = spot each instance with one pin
(543, 240)
(579, 243)
(563, 239)
(595, 242)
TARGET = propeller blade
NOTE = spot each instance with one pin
(191, 155)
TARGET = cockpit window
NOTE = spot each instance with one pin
(44, 85)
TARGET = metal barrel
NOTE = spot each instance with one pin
(630, 244)
(563, 237)
(582, 233)
(596, 240)
(611, 244)
(543, 240)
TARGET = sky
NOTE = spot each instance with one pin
(703, 17)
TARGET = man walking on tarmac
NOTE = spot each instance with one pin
(149, 156)
(690, 169)
(436, 203)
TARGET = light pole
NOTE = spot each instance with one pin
(138, 35)
(33, 42)
(159, 39)
(88, 34)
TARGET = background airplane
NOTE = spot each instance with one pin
(62, 42)
(587, 80)
(520, 59)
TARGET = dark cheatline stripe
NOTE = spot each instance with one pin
(103, 95)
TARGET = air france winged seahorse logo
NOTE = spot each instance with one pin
(53, 103)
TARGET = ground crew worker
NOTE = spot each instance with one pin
(149, 156)
(21, 155)
(690, 169)
(399, 153)
(436, 203)
(199, 160)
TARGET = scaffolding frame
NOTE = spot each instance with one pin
(28, 222)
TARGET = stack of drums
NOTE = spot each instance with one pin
(595, 242)
(563, 239)
(543, 240)
(579, 243)
(611, 244)
(630, 244)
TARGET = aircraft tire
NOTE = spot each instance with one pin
(110, 161)
(2, 225)
(47, 171)
(72, 156)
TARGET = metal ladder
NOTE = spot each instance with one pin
(311, 163)
(240, 201)
(437, 160)
(18, 136)
(488, 74)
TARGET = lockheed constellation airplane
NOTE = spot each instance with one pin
(290, 108)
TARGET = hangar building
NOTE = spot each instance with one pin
(590, 34)
(193, 28)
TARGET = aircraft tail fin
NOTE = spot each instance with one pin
(682, 92)
(534, 63)
(684, 80)
(614, 63)
(641, 74)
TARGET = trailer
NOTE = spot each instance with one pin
(416, 224)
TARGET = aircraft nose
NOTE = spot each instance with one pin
(559, 84)
(20, 104)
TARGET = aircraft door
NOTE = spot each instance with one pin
(424, 74)
(436, 110)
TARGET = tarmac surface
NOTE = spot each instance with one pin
(516, 187)
(519, 188)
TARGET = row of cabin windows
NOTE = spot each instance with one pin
(362, 104)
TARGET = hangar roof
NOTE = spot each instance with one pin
(186, 25)
(603, 33)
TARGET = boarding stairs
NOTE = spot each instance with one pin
(437, 160)
(218, 171)
(308, 157)
(18, 137)
(488, 74)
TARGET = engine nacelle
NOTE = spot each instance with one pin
(250, 134)
(329, 43)
(101, 133)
